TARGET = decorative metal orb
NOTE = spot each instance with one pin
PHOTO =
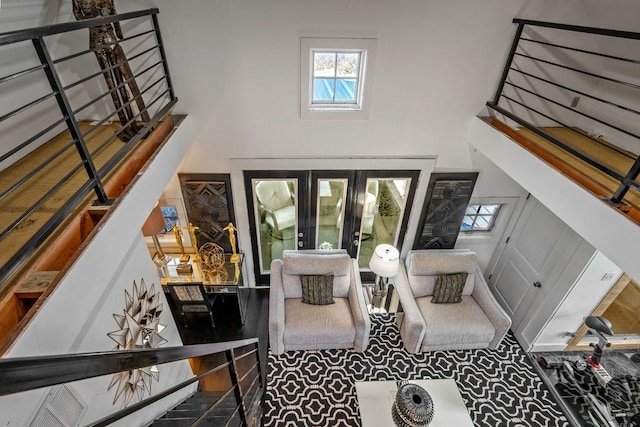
(212, 262)
(412, 407)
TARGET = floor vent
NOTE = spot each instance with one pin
(61, 408)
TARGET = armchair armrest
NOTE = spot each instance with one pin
(276, 308)
(359, 310)
(413, 326)
(485, 299)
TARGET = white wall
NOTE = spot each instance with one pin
(239, 76)
(492, 187)
(586, 293)
(603, 16)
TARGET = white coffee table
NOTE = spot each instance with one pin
(376, 398)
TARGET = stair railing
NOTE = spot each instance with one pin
(54, 85)
(30, 373)
(553, 78)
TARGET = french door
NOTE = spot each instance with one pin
(330, 209)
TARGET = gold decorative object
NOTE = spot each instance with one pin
(139, 327)
(184, 268)
(232, 240)
(178, 235)
(213, 262)
(194, 241)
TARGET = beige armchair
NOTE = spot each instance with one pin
(477, 321)
(294, 325)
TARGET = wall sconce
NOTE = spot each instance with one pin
(152, 227)
(384, 263)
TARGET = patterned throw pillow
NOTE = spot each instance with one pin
(317, 290)
(448, 288)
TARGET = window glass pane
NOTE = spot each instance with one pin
(276, 217)
(169, 210)
(170, 214)
(383, 210)
(348, 64)
(346, 90)
(330, 213)
(472, 209)
(482, 222)
(467, 222)
(479, 217)
(488, 209)
(324, 64)
(323, 90)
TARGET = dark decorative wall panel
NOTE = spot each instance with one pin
(209, 205)
(447, 198)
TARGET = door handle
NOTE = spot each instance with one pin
(300, 243)
(356, 243)
(537, 284)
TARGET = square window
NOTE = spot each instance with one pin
(336, 77)
(479, 217)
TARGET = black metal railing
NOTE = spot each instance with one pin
(241, 361)
(52, 86)
(556, 77)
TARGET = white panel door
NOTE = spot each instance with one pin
(538, 251)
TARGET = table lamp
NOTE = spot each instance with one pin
(384, 263)
(153, 226)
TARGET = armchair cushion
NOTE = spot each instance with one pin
(448, 288)
(318, 326)
(443, 321)
(317, 289)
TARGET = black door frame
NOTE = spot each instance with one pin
(249, 176)
(306, 207)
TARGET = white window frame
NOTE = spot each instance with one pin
(333, 111)
(492, 224)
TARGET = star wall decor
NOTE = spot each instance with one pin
(139, 327)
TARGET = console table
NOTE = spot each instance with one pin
(375, 399)
(230, 283)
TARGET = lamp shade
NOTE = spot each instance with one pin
(385, 261)
(155, 223)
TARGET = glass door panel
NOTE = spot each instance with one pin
(331, 202)
(385, 202)
(276, 217)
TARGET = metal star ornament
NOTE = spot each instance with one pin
(139, 327)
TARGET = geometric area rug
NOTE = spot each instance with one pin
(317, 388)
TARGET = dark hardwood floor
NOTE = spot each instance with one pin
(228, 325)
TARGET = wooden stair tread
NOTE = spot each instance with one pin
(36, 284)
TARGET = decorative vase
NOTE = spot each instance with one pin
(412, 406)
